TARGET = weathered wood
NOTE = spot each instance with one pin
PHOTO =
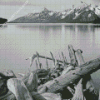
(42, 89)
(7, 74)
(41, 56)
(11, 96)
(21, 74)
(71, 77)
(51, 96)
(79, 57)
(32, 82)
(67, 69)
(39, 64)
(59, 56)
(63, 58)
(81, 61)
(36, 64)
(18, 88)
(99, 95)
(37, 96)
(88, 82)
(8, 96)
(78, 91)
(47, 63)
(52, 58)
(4, 76)
(40, 73)
(72, 55)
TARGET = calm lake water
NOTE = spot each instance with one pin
(20, 41)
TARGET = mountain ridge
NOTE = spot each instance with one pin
(84, 15)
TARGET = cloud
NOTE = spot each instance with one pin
(48, 2)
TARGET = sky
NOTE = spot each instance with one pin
(46, 2)
(17, 8)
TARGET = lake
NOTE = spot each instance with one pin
(20, 41)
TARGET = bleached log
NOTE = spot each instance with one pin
(79, 57)
(36, 64)
(71, 77)
(32, 82)
(51, 96)
(19, 91)
(7, 74)
(78, 91)
(4, 76)
(47, 63)
(99, 95)
(72, 56)
(39, 64)
(8, 96)
(52, 57)
(40, 73)
(64, 59)
(11, 96)
(21, 74)
(89, 82)
(18, 88)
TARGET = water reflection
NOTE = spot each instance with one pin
(59, 36)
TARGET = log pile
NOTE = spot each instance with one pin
(66, 81)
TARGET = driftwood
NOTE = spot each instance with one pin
(8, 96)
(52, 58)
(47, 63)
(78, 91)
(4, 76)
(40, 73)
(32, 82)
(11, 96)
(7, 74)
(88, 82)
(72, 56)
(99, 94)
(79, 57)
(64, 59)
(51, 96)
(20, 91)
(39, 64)
(41, 56)
(75, 73)
(72, 76)
(18, 88)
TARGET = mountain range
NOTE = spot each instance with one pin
(76, 15)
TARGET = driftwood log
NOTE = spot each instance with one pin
(91, 92)
(18, 88)
(20, 92)
(78, 91)
(72, 56)
(72, 76)
(4, 76)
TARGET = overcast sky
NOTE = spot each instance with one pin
(46, 2)
(8, 7)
